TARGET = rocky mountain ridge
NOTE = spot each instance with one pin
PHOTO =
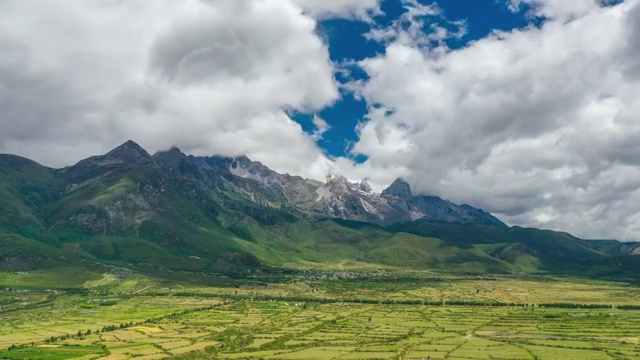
(336, 198)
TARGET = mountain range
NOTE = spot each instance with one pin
(174, 212)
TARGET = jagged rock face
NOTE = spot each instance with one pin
(398, 188)
(230, 179)
(365, 187)
(337, 198)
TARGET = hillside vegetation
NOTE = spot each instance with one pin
(170, 212)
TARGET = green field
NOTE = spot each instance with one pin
(342, 314)
(129, 256)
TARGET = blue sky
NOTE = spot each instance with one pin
(346, 42)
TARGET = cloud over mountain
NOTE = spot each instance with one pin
(538, 124)
(213, 77)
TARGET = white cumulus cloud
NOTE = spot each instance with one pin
(360, 9)
(539, 125)
(212, 77)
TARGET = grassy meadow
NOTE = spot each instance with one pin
(342, 314)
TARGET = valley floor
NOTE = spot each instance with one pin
(334, 315)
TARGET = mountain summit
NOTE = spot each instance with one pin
(399, 188)
(129, 151)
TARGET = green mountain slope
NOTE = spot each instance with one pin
(127, 208)
(528, 249)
